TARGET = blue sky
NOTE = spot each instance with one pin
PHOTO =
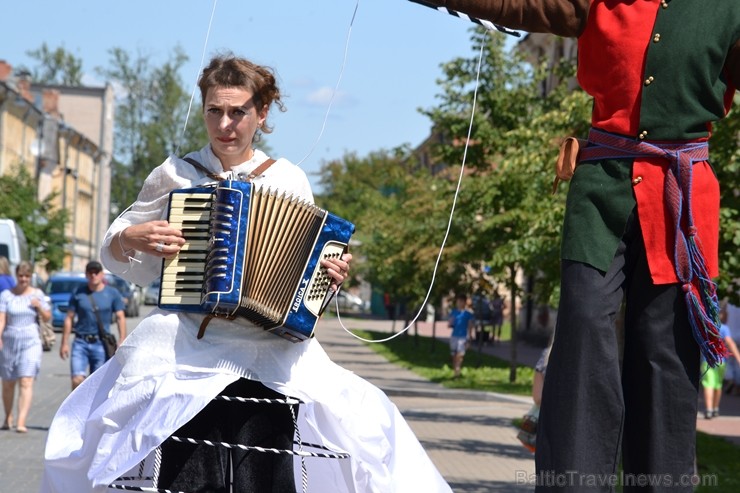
(393, 59)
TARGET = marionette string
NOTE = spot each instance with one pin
(195, 84)
(336, 86)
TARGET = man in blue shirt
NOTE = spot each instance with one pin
(87, 348)
(463, 330)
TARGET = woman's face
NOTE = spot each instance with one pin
(231, 121)
(23, 279)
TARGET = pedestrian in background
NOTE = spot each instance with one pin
(528, 427)
(6, 279)
(94, 306)
(463, 331)
(390, 308)
(712, 379)
(20, 345)
(732, 376)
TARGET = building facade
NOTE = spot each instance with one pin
(63, 136)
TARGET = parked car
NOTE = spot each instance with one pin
(59, 288)
(151, 293)
(130, 292)
(348, 302)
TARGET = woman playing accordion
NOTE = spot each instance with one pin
(177, 413)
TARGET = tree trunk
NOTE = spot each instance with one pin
(512, 305)
(434, 331)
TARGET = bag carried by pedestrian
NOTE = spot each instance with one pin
(528, 428)
(109, 340)
(46, 333)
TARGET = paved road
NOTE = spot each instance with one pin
(467, 434)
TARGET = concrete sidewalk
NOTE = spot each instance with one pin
(468, 434)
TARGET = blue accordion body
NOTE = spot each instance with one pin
(258, 259)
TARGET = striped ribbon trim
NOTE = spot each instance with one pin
(288, 400)
(482, 22)
(298, 453)
(301, 452)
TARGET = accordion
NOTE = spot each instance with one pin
(252, 254)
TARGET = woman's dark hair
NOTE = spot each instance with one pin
(232, 71)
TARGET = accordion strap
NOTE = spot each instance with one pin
(260, 169)
(210, 174)
(251, 176)
(206, 320)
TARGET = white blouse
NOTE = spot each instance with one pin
(162, 376)
(18, 310)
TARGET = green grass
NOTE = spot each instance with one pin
(430, 358)
(717, 461)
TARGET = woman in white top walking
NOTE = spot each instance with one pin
(20, 345)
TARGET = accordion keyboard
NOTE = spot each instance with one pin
(182, 276)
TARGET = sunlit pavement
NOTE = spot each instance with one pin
(467, 434)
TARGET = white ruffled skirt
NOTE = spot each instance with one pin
(162, 376)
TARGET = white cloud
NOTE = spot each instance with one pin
(323, 95)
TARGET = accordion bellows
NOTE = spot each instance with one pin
(252, 254)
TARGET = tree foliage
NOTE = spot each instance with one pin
(506, 217)
(150, 116)
(42, 223)
(510, 218)
(400, 213)
(56, 66)
(725, 156)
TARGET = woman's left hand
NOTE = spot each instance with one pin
(338, 269)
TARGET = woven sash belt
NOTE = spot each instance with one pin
(688, 260)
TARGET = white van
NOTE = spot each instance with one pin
(13, 244)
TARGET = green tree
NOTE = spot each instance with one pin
(56, 66)
(509, 217)
(41, 222)
(725, 155)
(150, 117)
(400, 212)
(506, 217)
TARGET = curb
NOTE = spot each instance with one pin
(455, 394)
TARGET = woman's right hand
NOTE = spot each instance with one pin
(156, 238)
